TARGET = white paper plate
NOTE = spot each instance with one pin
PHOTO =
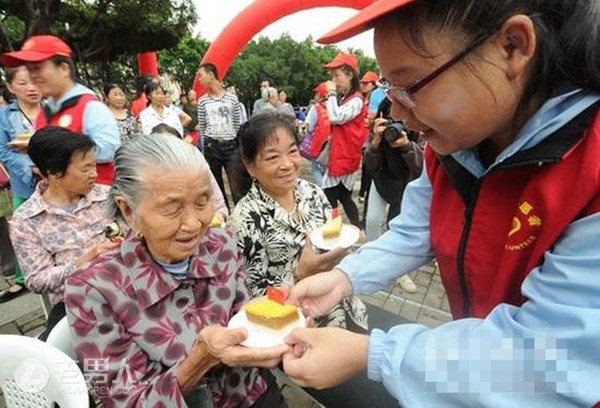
(348, 237)
(260, 336)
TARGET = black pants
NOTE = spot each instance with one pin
(272, 398)
(56, 314)
(357, 392)
(343, 195)
(222, 155)
(365, 181)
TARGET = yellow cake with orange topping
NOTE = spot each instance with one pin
(271, 314)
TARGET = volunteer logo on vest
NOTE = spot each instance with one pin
(524, 228)
(65, 121)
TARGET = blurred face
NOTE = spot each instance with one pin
(342, 80)
(52, 80)
(282, 96)
(23, 89)
(277, 165)
(80, 176)
(192, 97)
(175, 212)
(366, 87)
(116, 98)
(205, 78)
(465, 105)
(157, 97)
(167, 101)
(183, 100)
(264, 85)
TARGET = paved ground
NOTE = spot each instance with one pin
(428, 306)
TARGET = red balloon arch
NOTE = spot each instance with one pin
(253, 20)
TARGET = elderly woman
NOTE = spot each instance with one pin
(149, 316)
(61, 226)
(273, 220)
(272, 223)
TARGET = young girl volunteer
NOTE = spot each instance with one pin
(507, 94)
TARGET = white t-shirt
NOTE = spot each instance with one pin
(150, 118)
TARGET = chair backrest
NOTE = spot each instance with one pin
(35, 374)
(60, 337)
(46, 304)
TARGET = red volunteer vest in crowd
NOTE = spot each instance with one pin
(347, 141)
(70, 116)
(321, 132)
(488, 234)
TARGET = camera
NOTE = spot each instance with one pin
(393, 131)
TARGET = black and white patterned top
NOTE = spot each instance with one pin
(271, 241)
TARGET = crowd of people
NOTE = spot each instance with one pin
(89, 164)
(468, 143)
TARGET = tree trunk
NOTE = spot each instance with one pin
(4, 38)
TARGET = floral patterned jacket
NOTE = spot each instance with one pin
(271, 241)
(132, 323)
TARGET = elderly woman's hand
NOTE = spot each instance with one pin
(223, 345)
(311, 263)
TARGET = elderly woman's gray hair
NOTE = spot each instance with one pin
(272, 92)
(156, 150)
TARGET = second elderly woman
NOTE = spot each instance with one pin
(153, 310)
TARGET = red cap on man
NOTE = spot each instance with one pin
(362, 21)
(37, 48)
(369, 76)
(343, 59)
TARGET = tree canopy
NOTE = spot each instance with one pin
(98, 30)
(296, 67)
(106, 35)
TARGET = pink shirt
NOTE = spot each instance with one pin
(48, 239)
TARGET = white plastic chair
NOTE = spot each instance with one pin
(46, 304)
(60, 337)
(35, 374)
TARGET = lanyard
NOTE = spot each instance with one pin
(26, 117)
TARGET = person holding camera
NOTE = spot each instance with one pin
(393, 157)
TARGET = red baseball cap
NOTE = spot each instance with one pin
(362, 21)
(343, 59)
(369, 76)
(37, 48)
(321, 89)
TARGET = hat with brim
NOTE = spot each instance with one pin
(369, 76)
(37, 49)
(343, 59)
(362, 21)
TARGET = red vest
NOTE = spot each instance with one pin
(321, 132)
(489, 233)
(70, 116)
(347, 141)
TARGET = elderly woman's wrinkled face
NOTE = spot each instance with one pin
(277, 165)
(80, 176)
(175, 212)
